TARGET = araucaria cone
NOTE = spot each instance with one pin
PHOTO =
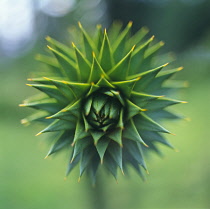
(105, 98)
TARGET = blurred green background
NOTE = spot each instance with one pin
(176, 181)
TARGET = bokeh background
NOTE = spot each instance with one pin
(176, 181)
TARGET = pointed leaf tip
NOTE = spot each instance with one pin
(94, 55)
(47, 38)
(187, 119)
(72, 43)
(49, 47)
(162, 43)
(166, 64)
(79, 24)
(130, 23)
(38, 134)
(24, 121)
(176, 150)
(134, 46)
(98, 26)
(46, 78)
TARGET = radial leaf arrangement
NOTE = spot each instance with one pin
(104, 99)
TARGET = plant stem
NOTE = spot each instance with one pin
(98, 194)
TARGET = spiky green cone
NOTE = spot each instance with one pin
(105, 99)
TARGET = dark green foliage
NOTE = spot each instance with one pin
(102, 98)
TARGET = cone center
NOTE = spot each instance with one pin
(102, 110)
